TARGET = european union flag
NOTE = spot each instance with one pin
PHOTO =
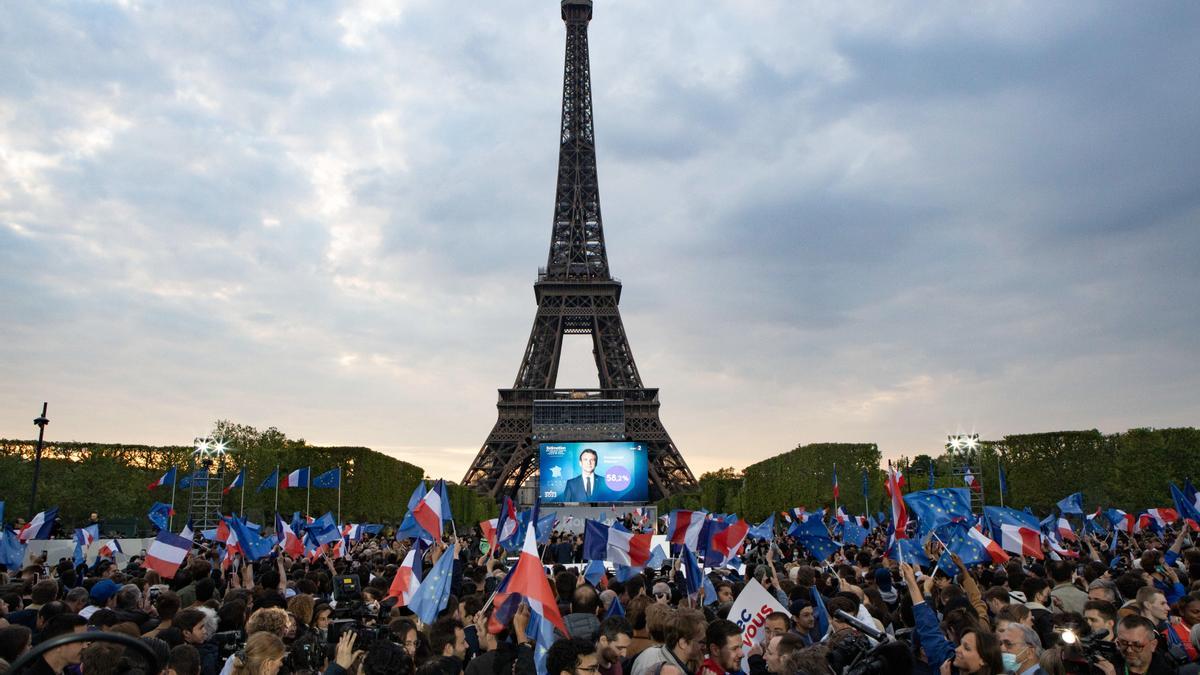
(12, 551)
(324, 530)
(853, 533)
(764, 530)
(957, 540)
(909, 551)
(159, 513)
(693, 575)
(814, 525)
(615, 609)
(938, 507)
(819, 612)
(657, 557)
(594, 572)
(1186, 507)
(819, 547)
(253, 546)
(270, 482)
(330, 479)
(1072, 504)
(409, 529)
(434, 592)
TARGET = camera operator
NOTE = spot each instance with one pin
(1137, 642)
(1101, 617)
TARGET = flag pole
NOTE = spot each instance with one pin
(1000, 475)
(244, 489)
(276, 490)
(308, 498)
(835, 490)
(339, 475)
(171, 513)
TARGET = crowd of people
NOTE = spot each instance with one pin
(1128, 608)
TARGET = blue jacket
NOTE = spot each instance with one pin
(937, 648)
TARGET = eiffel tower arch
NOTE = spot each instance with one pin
(576, 294)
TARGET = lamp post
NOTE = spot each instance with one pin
(41, 423)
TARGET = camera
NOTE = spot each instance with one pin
(1080, 653)
(307, 655)
(365, 635)
(229, 642)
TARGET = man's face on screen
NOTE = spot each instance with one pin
(587, 462)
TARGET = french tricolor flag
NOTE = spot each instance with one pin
(1065, 530)
(428, 512)
(841, 515)
(488, 528)
(1160, 517)
(287, 538)
(237, 482)
(837, 490)
(683, 527)
(295, 479)
(40, 526)
(615, 544)
(507, 524)
(408, 578)
(994, 550)
(527, 581)
(110, 548)
(167, 478)
(971, 481)
(1021, 540)
(726, 542)
(352, 531)
(166, 553)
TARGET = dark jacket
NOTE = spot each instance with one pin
(582, 625)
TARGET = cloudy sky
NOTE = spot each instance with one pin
(834, 221)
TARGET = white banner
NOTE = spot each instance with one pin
(750, 612)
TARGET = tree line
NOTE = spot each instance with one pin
(1129, 470)
(112, 479)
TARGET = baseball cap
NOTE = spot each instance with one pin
(103, 590)
(883, 579)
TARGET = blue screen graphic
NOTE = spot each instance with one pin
(593, 473)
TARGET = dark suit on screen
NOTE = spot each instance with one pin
(575, 492)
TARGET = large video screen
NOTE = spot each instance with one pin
(595, 472)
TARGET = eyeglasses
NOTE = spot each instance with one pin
(1126, 645)
(662, 595)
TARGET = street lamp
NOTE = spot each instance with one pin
(41, 423)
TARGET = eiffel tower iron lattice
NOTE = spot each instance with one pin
(576, 294)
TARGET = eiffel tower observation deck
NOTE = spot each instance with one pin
(576, 294)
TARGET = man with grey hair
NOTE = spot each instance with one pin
(1104, 589)
(129, 606)
(1022, 648)
(77, 598)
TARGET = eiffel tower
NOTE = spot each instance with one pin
(576, 294)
